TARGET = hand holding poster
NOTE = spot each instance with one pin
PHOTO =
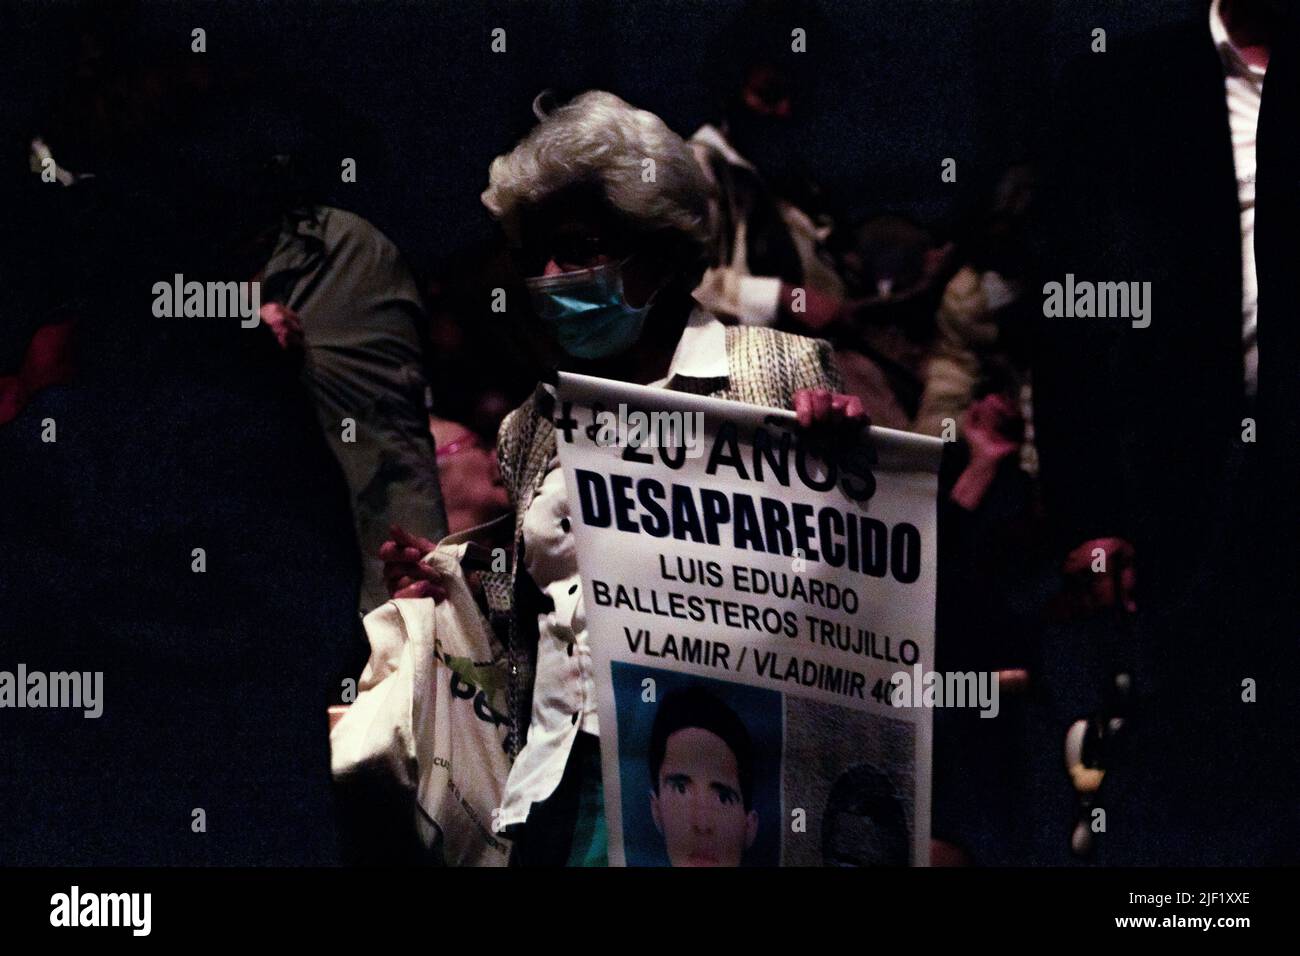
(751, 591)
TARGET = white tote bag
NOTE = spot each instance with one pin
(430, 715)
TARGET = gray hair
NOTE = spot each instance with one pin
(598, 139)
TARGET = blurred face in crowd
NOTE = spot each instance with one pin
(767, 93)
(766, 123)
(1254, 24)
(699, 807)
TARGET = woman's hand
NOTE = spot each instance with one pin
(993, 427)
(821, 406)
(405, 575)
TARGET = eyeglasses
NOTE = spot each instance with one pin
(571, 252)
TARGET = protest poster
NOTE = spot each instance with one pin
(751, 591)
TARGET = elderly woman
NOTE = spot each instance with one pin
(607, 213)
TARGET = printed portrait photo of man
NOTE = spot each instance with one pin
(702, 780)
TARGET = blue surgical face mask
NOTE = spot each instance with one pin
(587, 311)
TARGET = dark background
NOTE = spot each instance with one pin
(413, 91)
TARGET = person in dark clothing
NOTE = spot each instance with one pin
(151, 501)
(1146, 430)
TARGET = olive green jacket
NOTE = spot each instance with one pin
(361, 312)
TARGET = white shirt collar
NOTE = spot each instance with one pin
(1233, 62)
(702, 350)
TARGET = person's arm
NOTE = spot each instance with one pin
(766, 300)
(750, 300)
(362, 315)
(809, 308)
(989, 427)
